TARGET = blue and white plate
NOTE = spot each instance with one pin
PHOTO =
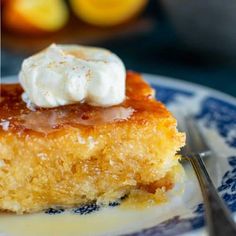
(215, 113)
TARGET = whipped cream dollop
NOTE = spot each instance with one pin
(67, 74)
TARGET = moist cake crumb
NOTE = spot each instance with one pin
(56, 158)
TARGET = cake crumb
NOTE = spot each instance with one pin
(2, 163)
(5, 124)
(91, 142)
(42, 156)
(80, 139)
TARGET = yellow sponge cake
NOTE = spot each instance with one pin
(73, 154)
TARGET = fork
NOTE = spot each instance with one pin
(217, 215)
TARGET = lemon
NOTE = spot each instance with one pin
(107, 12)
(46, 15)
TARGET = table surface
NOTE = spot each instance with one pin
(158, 52)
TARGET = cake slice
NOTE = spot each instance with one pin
(74, 154)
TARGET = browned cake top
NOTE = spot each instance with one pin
(16, 116)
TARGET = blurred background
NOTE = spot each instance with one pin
(193, 40)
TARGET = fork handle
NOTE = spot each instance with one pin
(218, 217)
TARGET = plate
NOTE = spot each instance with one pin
(215, 114)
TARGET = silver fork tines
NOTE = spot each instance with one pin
(218, 218)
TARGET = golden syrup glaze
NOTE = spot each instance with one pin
(15, 116)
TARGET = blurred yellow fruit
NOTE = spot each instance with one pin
(35, 15)
(107, 12)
